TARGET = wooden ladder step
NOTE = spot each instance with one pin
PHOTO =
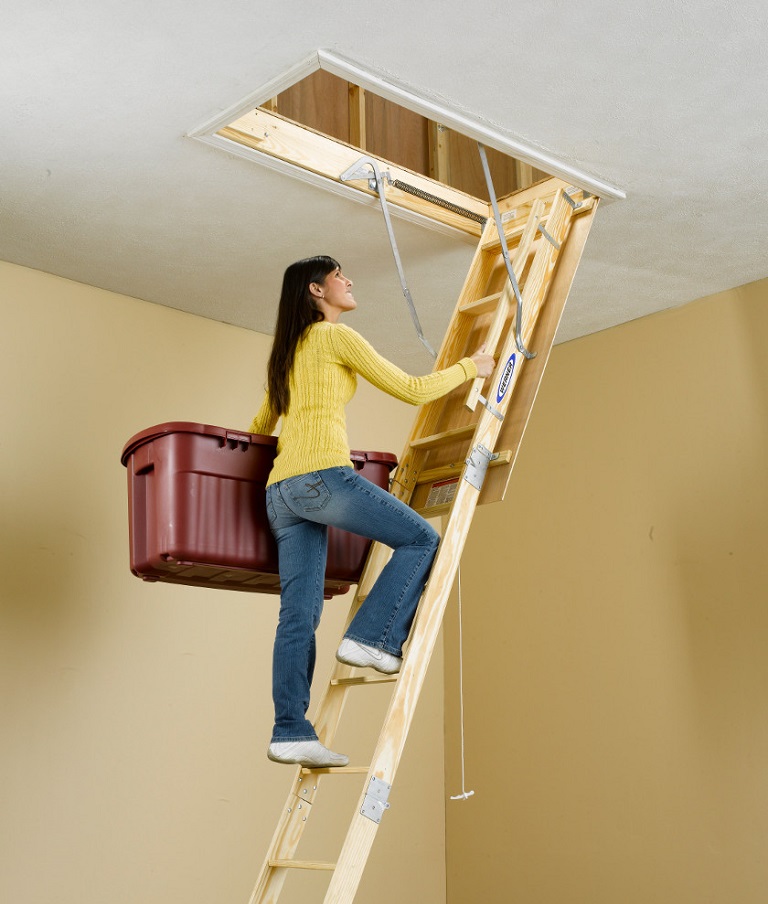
(441, 439)
(363, 679)
(443, 473)
(335, 770)
(302, 864)
(512, 235)
(481, 306)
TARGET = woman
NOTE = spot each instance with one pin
(311, 376)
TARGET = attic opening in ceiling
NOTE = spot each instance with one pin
(324, 123)
(316, 121)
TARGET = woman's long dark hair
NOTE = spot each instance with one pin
(295, 315)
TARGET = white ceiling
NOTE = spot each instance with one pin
(666, 100)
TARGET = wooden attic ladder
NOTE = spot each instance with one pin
(459, 454)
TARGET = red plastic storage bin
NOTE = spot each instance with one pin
(196, 505)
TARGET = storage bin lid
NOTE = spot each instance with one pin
(379, 458)
(240, 436)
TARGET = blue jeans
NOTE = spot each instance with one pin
(299, 510)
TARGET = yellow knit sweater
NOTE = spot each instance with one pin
(323, 380)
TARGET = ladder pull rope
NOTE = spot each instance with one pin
(376, 184)
(505, 253)
(465, 795)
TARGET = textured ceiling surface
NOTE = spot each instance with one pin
(101, 183)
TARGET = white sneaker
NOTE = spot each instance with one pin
(311, 754)
(353, 653)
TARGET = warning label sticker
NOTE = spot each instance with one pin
(442, 492)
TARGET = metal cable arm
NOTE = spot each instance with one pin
(505, 254)
(376, 183)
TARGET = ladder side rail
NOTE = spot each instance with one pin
(398, 720)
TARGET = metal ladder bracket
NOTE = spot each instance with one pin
(376, 799)
(575, 205)
(486, 404)
(477, 465)
(359, 170)
(551, 239)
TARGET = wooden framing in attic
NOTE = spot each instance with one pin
(318, 119)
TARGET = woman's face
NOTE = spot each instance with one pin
(334, 295)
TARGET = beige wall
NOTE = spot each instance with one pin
(615, 628)
(615, 685)
(135, 717)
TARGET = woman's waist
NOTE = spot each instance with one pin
(290, 462)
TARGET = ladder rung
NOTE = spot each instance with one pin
(335, 770)
(363, 679)
(440, 439)
(301, 864)
(512, 235)
(447, 471)
(482, 305)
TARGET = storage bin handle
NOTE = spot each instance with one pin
(143, 462)
(238, 440)
(359, 459)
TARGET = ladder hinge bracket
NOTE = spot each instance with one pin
(486, 404)
(575, 205)
(358, 171)
(375, 801)
(477, 465)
